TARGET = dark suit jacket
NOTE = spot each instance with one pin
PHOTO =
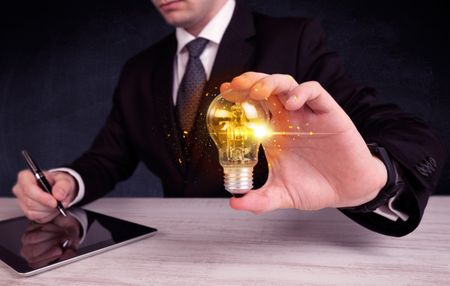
(141, 125)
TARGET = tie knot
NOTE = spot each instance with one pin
(196, 47)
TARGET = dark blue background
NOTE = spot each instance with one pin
(60, 60)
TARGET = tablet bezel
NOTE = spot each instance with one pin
(7, 257)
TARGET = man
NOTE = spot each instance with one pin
(377, 164)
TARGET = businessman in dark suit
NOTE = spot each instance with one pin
(379, 165)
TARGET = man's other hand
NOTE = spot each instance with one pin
(38, 205)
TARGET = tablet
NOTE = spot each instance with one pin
(30, 248)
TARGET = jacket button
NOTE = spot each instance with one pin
(432, 163)
(426, 167)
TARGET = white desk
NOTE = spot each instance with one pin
(204, 242)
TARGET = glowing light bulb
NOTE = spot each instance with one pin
(237, 128)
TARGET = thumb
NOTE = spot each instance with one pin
(63, 189)
(261, 200)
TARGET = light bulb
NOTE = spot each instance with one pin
(237, 128)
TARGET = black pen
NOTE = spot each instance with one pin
(41, 179)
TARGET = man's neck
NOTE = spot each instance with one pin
(198, 27)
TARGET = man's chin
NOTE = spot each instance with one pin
(179, 22)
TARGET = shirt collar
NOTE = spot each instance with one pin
(213, 31)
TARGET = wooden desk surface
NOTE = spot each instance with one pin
(204, 242)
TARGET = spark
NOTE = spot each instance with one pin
(309, 133)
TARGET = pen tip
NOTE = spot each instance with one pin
(62, 212)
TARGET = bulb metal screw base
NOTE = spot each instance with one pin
(238, 180)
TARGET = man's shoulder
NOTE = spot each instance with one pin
(286, 28)
(264, 19)
(282, 25)
(151, 55)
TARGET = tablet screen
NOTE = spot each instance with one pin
(30, 248)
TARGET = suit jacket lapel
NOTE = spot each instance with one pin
(234, 57)
(162, 86)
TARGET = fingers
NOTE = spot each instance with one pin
(33, 197)
(311, 93)
(276, 84)
(37, 204)
(28, 191)
(258, 86)
(237, 89)
(39, 216)
(293, 96)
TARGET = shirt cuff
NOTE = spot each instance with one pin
(388, 211)
(79, 180)
(81, 216)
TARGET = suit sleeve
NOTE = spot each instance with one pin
(111, 157)
(410, 142)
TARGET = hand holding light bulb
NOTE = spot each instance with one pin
(325, 164)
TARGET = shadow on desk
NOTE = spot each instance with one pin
(287, 228)
(327, 227)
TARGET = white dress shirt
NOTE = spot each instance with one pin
(213, 32)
